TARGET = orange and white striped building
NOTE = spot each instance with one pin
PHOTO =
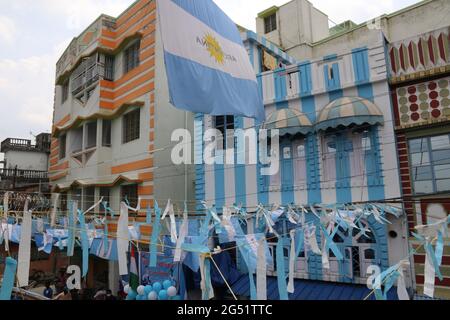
(112, 111)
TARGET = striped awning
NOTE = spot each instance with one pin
(288, 121)
(349, 111)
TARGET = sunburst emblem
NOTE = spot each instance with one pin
(214, 48)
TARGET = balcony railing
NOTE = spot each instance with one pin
(18, 174)
(23, 145)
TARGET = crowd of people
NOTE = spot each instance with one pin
(61, 292)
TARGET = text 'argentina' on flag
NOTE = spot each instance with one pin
(207, 65)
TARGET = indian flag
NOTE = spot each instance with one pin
(134, 275)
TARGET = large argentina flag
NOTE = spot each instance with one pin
(208, 67)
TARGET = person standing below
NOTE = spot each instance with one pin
(48, 291)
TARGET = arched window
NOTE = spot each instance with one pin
(364, 236)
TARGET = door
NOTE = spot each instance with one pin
(348, 265)
(286, 166)
(368, 257)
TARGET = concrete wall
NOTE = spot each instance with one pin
(26, 160)
(297, 22)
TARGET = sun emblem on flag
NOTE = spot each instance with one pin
(214, 48)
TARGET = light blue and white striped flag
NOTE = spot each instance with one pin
(208, 67)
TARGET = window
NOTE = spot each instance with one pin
(65, 92)
(270, 23)
(62, 146)
(63, 202)
(105, 194)
(77, 140)
(225, 124)
(430, 164)
(131, 126)
(91, 129)
(130, 193)
(106, 133)
(88, 197)
(299, 162)
(131, 57)
(109, 68)
(76, 196)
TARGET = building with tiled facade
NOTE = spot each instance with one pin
(420, 84)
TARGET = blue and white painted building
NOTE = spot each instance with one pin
(337, 147)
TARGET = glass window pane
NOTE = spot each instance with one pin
(286, 153)
(300, 151)
(443, 185)
(442, 171)
(440, 142)
(441, 157)
(423, 187)
(419, 159)
(422, 173)
(418, 145)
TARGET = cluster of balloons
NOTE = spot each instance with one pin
(157, 291)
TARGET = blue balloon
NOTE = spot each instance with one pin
(157, 287)
(148, 288)
(138, 297)
(132, 295)
(167, 284)
(162, 295)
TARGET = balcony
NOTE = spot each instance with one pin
(15, 144)
(420, 56)
(23, 175)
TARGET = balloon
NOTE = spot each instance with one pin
(126, 289)
(132, 295)
(138, 297)
(157, 287)
(152, 295)
(148, 288)
(172, 291)
(141, 290)
(162, 295)
(167, 284)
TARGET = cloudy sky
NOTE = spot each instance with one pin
(34, 33)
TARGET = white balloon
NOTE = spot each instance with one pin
(126, 289)
(141, 290)
(153, 296)
(172, 291)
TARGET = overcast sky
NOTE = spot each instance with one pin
(34, 33)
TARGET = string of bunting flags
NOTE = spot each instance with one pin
(196, 242)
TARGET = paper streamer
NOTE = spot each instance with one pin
(5, 217)
(73, 207)
(173, 225)
(166, 211)
(23, 265)
(55, 197)
(8, 279)
(122, 239)
(261, 272)
(402, 293)
(292, 258)
(154, 238)
(84, 244)
(184, 228)
(148, 219)
(227, 225)
(430, 274)
(205, 283)
(311, 240)
(282, 288)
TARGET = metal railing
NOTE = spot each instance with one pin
(6, 174)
